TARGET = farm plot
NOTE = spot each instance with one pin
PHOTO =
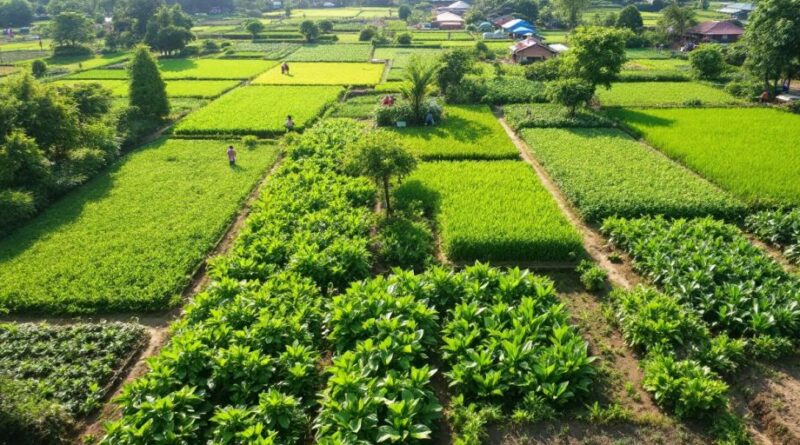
(494, 211)
(552, 115)
(713, 268)
(269, 51)
(604, 172)
(175, 198)
(440, 35)
(753, 152)
(259, 110)
(357, 107)
(780, 228)
(656, 70)
(467, 132)
(324, 73)
(25, 45)
(401, 56)
(172, 69)
(175, 88)
(663, 94)
(50, 375)
(332, 53)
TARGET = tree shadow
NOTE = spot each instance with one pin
(413, 195)
(454, 127)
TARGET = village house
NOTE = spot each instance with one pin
(448, 20)
(531, 50)
(716, 31)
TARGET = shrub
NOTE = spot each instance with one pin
(404, 38)
(38, 68)
(15, 205)
(570, 92)
(684, 386)
(707, 61)
(402, 111)
(545, 71)
(30, 420)
(593, 277)
(367, 34)
(249, 142)
(148, 92)
(511, 90)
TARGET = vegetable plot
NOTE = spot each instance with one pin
(552, 115)
(467, 132)
(780, 228)
(259, 110)
(491, 211)
(713, 268)
(604, 172)
(51, 375)
(78, 258)
(175, 88)
(190, 69)
(332, 53)
(324, 73)
(751, 152)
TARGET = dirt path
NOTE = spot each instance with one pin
(158, 325)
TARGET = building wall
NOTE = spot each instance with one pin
(532, 54)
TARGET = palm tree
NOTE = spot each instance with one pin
(419, 76)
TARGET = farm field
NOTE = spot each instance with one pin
(604, 173)
(491, 211)
(663, 94)
(401, 56)
(752, 152)
(467, 132)
(656, 69)
(175, 88)
(77, 258)
(259, 110)
(324, 73)
(332, 53)
(174, 69)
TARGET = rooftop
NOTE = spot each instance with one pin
(716, 28)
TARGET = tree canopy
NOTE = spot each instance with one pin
(148, 92)
(15, 13)
(630, 18)
(71, 29)
(596, 56)
(772, 38)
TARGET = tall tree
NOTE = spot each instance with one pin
(675, 21)
(419, 77)
(571, 11)
(630, 18)
(526, 9)
(254, 27)
(453, 66)
(148, 91)
(71, 29)
(169, 30)
(15, 13)
(596, 56)
(309, 30)
(139, 13)
(773, 41)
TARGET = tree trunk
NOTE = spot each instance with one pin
(386, 196)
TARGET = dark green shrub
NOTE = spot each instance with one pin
(685, 387)
(593, 277)
(29, 420)
(15, 205)
(38, 68)
(404, 38)
(367, 34)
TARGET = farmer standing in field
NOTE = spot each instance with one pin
(289, 124)
(231, 155)
(285, 68)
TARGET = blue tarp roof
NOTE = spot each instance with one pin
(523, 30)
(517, 22)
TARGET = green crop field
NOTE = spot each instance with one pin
(175, 88)
(401, 56)
(25, 45)
(271, 51)
(323, 73)
(656, 69)
(259, 110)
(652, 94)
(604, 172)
(129, 239)
(332, 53)
(467, 132)
(191, 69)
(491, 211)
(751, 152)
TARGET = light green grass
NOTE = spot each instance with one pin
(647, 94)
(401, 56)
(665, 69)
(324, 73)
(332, 53)
(259, 110)
(191, 69)
(496, 211)
(467, 132)
(604, 172)
(175, 88)
(752, 152)
(24, 45)
(129, 239)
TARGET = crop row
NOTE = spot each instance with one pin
(241, 367)
(746, 153)
(490, 211)
(259, 110)
(552, 115)
(716, 271)
(604, 172)
(51, 374)
(780, 228)
(175, 88)
(663, 94)
(174, 69)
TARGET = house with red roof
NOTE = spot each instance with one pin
(716, 31)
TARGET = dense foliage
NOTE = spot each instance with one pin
(552, 115)
(641, 181)
(64, 370)
(52, 138)
(713, 268)
(780, 228)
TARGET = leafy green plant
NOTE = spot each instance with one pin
(780, 228)
(684, 386)
(593, 277)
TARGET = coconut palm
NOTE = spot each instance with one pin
(419, 76)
